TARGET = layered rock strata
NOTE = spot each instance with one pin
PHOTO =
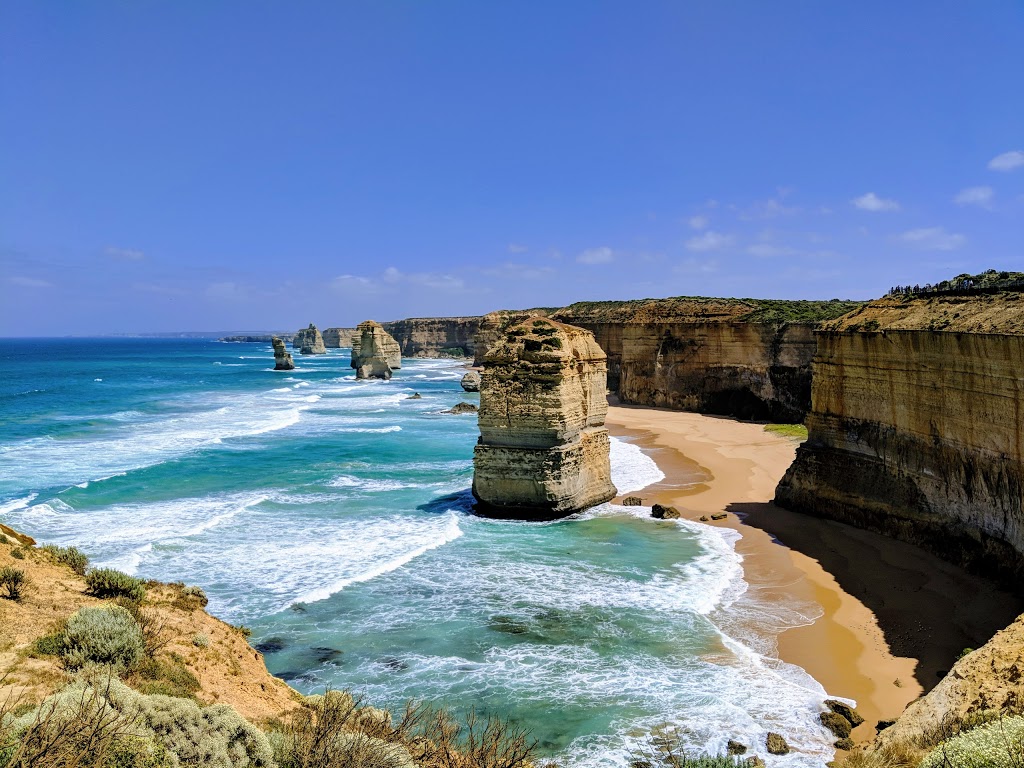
(282, 357)
(543, 450)
(338, 338)
(309, 341)
(917, 428)
(748, 358)
(374, 353)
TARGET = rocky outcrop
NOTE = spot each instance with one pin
(460, 408)
(471, 381)
(917, 428)
(543, 450)
(435, 336)
(748, 358)
(258, 337)
(282, 357)
(374, 353)
(309, 341)
(338, 338)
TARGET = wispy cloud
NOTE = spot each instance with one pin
(1007, 161)
(693, 266)
(517, 248)
(601, 255)
(981, 196)
(125, 254)
(698, 222)
(933, 239)
(29, 282)
(709, 241)
(516, 271)
(872, 202)
(393, 279)
(770, 209)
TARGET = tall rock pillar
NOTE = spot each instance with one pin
(374, 352)
(543, 450)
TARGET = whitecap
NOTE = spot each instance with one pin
(14, 504)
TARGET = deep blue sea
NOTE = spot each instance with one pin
(333, 518)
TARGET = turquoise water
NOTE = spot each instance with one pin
(333, 518)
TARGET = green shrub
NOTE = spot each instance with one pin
(18, 554)
(197, 593)
(107, 635)
(72, 557)
(165, 677)
(998, 744)
(107, 582)
(201, 641)
(13, 581)
(4, 539)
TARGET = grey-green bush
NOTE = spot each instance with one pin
(107, 582)
(998, 744)
(13, 582)
(108, 635)
(72, 557)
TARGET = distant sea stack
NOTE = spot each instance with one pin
(282, 357)
(543, 450)
(337, 338)
(374, 353)
(916, 427)
(309, 341)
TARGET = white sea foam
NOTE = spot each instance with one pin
(632, 469)
(14, 504)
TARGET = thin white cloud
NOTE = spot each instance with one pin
(698, 222)
(125, 254)
(709, 241)
(392, 279)
(601, 255)
(933, 239)
(770, 209)
(517, 248)
(981, 196)
(29, 282)
(872, 202)
(1007, 161)
(515, 271)
(693, 266)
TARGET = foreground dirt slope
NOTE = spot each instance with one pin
(229, 670)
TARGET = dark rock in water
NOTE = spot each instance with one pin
(846, 744)
(462, 408)
(735, 748)
(661, 512)
(471, 382)
(393, 663)
(507, 625)
(324, 654)
(271, 645)
(282, 357)
(836, 723)
(415, 396)
(298, 608)
(776, 744)
(845, 710)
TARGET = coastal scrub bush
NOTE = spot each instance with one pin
(18, 554)
(13, 581)
(199, 640)
(107, 635)
(72, 557)
(998, 744)
(107, 582)
(168, 677)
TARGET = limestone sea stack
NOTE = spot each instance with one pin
(543, 450)
(309, 341)
(374, 353)
(471, 381)
(282, 357)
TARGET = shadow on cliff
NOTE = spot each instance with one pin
(927, 608)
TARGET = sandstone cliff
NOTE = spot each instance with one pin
(917, 428)
(748, 358)
(434, 336)
(309, 341)
(282, 357)
(543, 449)
(335, 338)
(374, 353)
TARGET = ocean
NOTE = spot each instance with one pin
(333, 518)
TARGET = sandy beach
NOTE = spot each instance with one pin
(892, 618)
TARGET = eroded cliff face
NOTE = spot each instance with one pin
(744, 358)
(374, 353)
(543, 448)
(336, 338)
(435, 336)
(919, 433)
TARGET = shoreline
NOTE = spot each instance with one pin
(887, 632)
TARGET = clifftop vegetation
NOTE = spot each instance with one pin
(706, 309)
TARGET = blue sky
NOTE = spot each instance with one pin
(246, 165)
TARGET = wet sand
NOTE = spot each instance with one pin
(893, 618)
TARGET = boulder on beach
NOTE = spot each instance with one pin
(282, 357)
(776, 744)
(836, 723)
(661, 512)
(471, 381)
(846, 711)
